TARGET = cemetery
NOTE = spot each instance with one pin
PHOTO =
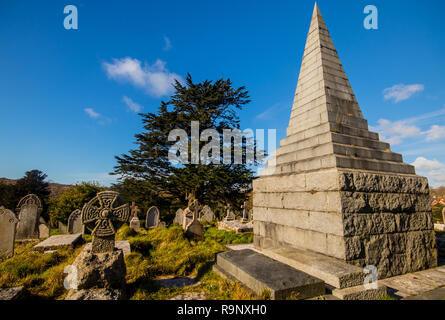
(334, 215)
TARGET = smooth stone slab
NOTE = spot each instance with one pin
(333, 271)
(59, 241)
(11, 293)
(360, 293)
(258, 272)
(437, 294)
(406, 285)
(124, 245)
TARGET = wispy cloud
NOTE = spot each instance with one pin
(90, 112)
(266, 114)
(435, 133)
(167, 44)
(424, 164)
(401, 92)
(102, 120)
(133, 106)
(155, 79)
(432, 169)
(394, 132)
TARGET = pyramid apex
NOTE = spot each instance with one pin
(316, 10)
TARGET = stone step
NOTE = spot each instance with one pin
(374, 165)
(361, 293)
(258, 272)
(332, 271)
(339, 149)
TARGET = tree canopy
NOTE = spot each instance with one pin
(214, 105)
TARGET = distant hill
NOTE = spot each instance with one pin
(55, 188)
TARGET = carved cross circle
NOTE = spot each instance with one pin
(101, 218)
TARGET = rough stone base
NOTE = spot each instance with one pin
(360, 293)
(102, 270)
(11, 293)
(95, 294)
(258, 273)
(360, 217)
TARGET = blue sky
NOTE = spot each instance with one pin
(68, 104)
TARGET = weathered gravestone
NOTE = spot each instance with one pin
(63, 228)
(8, 223)
(153, 218)
(230, 216)
(29, 209)
(190, 213)
(179, 216)
(194, 228)
(99, 272)
(135, 223)
(75, 222)
(206, 214)
(334, 198)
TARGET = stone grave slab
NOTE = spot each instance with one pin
(258, 272)
(59, 241)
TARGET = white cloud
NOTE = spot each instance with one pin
(133, 106)
(93, 114)
(155, 79)
(400, 92)
(435, 133)
(168, 44)
(102, 120)
(395, 132)
(424, 164)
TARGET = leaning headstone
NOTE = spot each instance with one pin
(206, 214)
(179, 216)
(8, 223)
(75, 222)
(29, 209)
(153, 218)
(100, 271)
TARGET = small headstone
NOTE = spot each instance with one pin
(443, 215)
(230, 215)
(103, 219)
(153, 218)
(135, 224)
(162, 225)
(43, 231)
(63, 229)
(179, 216)
(194, 229)
(75, 222)
(8, 223)
(29, 209)
(206, 214)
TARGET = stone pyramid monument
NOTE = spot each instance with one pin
(333, 188)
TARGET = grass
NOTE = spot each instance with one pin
(157, 253)
(167, 253)
(41, 274)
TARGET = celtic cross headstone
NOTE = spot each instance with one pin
(103, 219)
